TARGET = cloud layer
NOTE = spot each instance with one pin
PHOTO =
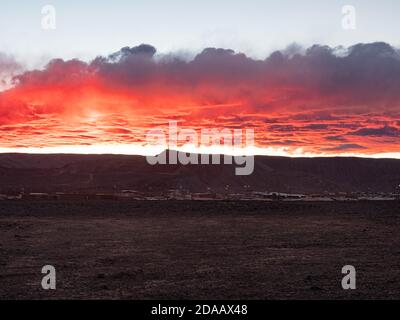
(321, 99)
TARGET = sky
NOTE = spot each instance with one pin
(290, 70)
(89, 28)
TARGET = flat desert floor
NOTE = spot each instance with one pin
(199, 250)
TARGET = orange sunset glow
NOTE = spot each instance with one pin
(315, 103)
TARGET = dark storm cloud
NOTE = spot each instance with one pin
(384, 131)
(57, 72)
(335, 138)
(317, 126)
(143, 50)
(368, 75)
(345, 147)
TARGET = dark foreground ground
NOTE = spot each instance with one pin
(199, 250)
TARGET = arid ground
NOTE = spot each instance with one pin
(199, 250)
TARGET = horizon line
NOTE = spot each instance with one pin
(143, 152)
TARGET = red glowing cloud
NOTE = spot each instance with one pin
(317, 101)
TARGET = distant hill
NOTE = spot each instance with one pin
(107, 173)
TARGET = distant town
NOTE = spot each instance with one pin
(179, 194)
